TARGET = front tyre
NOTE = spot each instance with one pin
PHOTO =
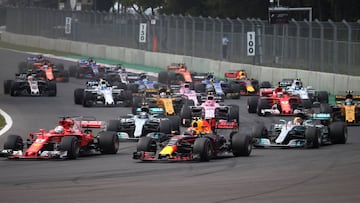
(71, 145)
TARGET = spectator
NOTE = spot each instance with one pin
(224, 42)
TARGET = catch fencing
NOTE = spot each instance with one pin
(324, 46)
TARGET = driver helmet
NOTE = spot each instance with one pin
(30, 78)
(143, 115)
(103, 84)
(348, 101)
(163, 94)
(45, 67)
(298, 121)
(297, 85)
(59, 129)
(280, 94)
(91, 60)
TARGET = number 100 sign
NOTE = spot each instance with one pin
(251, 43)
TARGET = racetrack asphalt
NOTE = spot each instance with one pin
(328, 174)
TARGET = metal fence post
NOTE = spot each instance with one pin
(176, 33)
(335, 45)
(231, 38)
(221, 35)
(261, 40)
(321, 44)
(213, 35)
(184, 34)
(309, 62)
(241, 38)
(297, 48)
(348, 61)
(193, 36)
(203, 35)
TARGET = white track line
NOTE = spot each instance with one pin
(8, 120)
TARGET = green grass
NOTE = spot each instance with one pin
(32, 49)
(2, 121)
(77, 56)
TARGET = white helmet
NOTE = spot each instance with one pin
(163, 94)
(59, 129)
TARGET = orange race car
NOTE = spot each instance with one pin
(44, 69)
(177, 73)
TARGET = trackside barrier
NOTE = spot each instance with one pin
(319, 80)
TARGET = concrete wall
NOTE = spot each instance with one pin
(322, 81)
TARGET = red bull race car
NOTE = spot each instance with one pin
(198, 143)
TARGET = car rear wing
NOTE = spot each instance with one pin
(341, 98)
(92, 124)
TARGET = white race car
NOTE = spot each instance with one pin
(101, 93)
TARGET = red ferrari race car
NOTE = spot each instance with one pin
(275, 102)
(72, 137)
(198, 143)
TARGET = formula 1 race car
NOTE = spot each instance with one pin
(308, 95)
(44, 69)
(190, 97)
(177, 73)
(346, 109)
(71, 138)
(100, 93)
(87, 68)
(210, 110)
(198, 143)
(223, 89)
(246, 85)
(304, 131)
(145, 121)
(171, 103)
(275, 102)
(29, 85)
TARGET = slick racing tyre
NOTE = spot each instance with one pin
(241, 145)
(14, 142)
(108, 142)
(71, 145)
(202, 149)
(312, 137)
(146, 144)
(338, 132)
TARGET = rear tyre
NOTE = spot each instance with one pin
(323, 96)
(185, 116)
(108, 142)
(71, 145)
(163, 77)
(338, 132)
(52, 90)
(241, 145)
(252, 104)
(113, 125)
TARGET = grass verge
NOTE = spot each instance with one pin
(77, 56)
(2, 121)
